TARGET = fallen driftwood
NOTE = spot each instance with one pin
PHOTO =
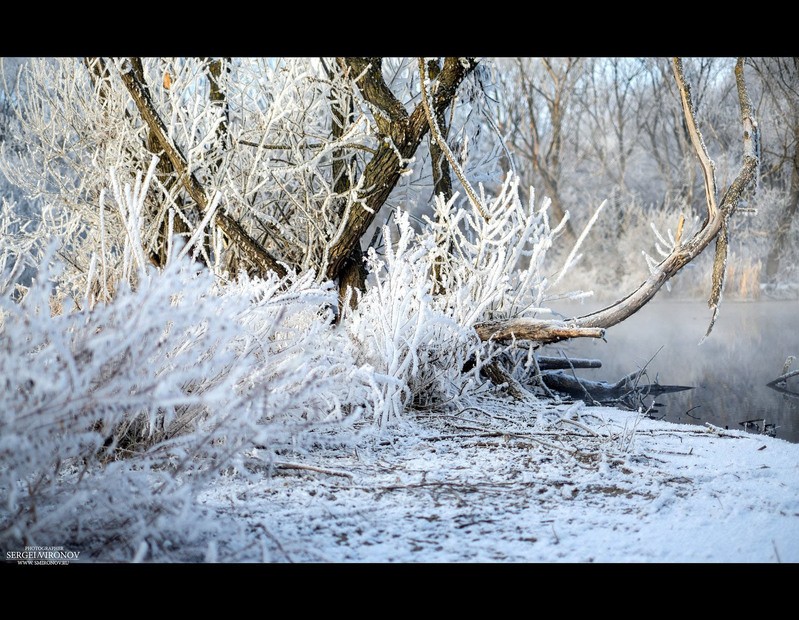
(603, 392)
(557, 374)
(759, 425)
(780, 384)
(562, 363)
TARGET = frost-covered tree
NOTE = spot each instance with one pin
(539, 114)
(622, 136)
(303, 154)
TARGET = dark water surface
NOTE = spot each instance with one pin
(730, 370)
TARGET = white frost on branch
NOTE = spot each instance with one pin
(573, 257)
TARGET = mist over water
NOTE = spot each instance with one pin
(730, 370)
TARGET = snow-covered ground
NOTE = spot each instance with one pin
(497, 484)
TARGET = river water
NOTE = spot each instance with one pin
(747, 349)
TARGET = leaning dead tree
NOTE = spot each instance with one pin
(683, 251)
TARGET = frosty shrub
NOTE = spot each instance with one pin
(87, 387)
(119, 404)
(128, 386)
(300, 371)
(419, 343)
(20, 244)
(165, 385)
(491, 268)
(399, 332)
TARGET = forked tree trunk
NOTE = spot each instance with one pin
(400, 136)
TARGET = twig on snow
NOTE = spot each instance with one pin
(321, 470)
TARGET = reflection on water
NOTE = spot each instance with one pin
(730, 370)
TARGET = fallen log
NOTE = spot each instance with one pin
(562, 363)
(535, 329)
(604, 392)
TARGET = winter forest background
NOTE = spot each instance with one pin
(203, 259)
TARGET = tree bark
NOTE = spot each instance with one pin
(261, 260)
(352, 276)
(442, 180)
(218, 98)
(400, 136)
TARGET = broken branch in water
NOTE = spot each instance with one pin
(780, 384)
(558, 363)
(760, 425)
(604, 392)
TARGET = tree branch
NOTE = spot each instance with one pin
(442, 181)
(286, 147)
(538, 330)
(681, 255)
(708, 168)
(442, 144)
(140, 93)
(369, 72)
(218, 98)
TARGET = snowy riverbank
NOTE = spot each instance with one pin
(633, 490)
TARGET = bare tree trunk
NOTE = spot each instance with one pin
(218, 98)
(352, 276)
(442, 180)
(400, 136)
(100, 76)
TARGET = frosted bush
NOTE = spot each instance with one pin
(128, 393)
(127, 408)
(491, 268)
(421, 344)
(399, 333)
(84, 387)
(300, 370)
